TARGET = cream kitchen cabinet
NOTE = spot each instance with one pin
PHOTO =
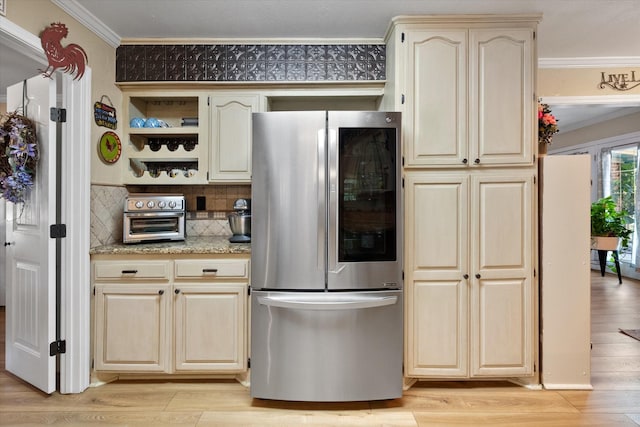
(175, 152)
(202, 136)
(230, 150)
(469, 278)
(465, 86)
(132, 311)
(210, 316)
(171, 315)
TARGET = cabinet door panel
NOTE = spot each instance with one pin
(501, 329)
(437, 291)
(210, 324)
(501, 96)
(435, 118)
(503, 219)
(437, 335)
(230, 151)
(437, 225)
(502, 294)
(132, 324)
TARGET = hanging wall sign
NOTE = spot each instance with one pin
(109, 147)
(105, 114)
(621, 82)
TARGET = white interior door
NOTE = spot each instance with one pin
(3, 251)
(30, 257)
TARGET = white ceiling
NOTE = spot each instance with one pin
(583, 31)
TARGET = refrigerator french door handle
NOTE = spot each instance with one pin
(332, 214)
(311, 304)
(322, 198)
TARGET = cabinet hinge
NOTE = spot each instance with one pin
(402, 182)
(535, 368)
(93, 364)
(402, 98)
(402, 160)
(534, 35)
(402, 37)
(248, 290)
(402, 274)
(208, 101)
(57, 231)
(535, 180)
(58, 115)
(248, 362)
(57, 347)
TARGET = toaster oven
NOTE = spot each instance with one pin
(153, 217)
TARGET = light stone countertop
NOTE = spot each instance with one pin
(192, 245)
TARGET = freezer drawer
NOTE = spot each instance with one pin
(326, 347)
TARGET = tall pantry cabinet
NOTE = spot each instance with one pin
(466, 88)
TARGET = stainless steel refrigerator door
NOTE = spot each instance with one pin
(383, 270)
(288, 228)
(326, 346)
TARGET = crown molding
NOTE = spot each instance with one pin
(89, 20)
(590, 62)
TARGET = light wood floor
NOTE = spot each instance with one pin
(615, 400)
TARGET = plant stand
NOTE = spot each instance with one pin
(602, 257)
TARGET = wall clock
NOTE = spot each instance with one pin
(110, 147)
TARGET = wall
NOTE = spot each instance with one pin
(598, 131)
(582, 81)
(34, 16)
(107, 203)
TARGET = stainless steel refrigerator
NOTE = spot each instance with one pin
(326, 256)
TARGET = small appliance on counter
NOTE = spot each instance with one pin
(150, 217)
(240, 221)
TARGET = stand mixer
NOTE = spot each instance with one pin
(240, 221)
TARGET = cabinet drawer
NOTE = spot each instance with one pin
(122, 270)
(212, 269)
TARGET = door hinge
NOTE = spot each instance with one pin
(57, 231)
(402, 37)
(57, 347)
(58, 115)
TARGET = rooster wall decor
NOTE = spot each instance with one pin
(71, 58)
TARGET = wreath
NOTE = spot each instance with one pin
(18, 156)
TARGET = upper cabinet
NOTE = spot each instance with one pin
(230, 150)
(188, 137)
(466, 90)
(165, 138)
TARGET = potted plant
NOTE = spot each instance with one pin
(608, 225)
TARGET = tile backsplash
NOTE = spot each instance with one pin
(106, 214)
(107, 205)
